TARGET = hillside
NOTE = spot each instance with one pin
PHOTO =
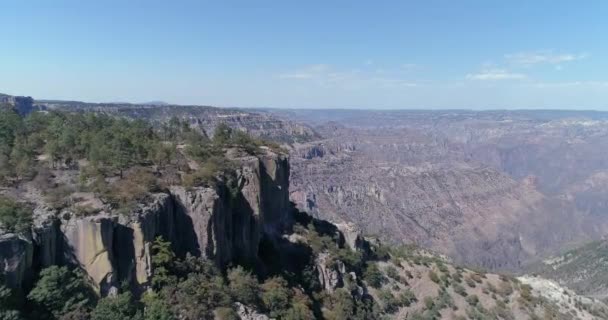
(583, 269)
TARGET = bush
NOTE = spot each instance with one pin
(526, 292)
(473, 300)
(477, 277)
(433, 276)
(225, 313)
(389, 302)
(470, 282)
(391, 272)
(373, 276)
(442, 267)
(428, 303)
(460, 290)
(407, 297)
(14, 217)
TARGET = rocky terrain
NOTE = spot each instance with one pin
(494, 189)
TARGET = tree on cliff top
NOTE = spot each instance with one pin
(14, 217)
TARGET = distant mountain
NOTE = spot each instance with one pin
(205, 118)
(156, 103)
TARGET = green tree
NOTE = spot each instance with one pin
(14, 217)
(156, 308)
(121, 307)
(243, 286)
(276, 296)
(225, 313)
(60, 291)
(122, 152)
(222, 134)
(8, 308)
(22, 159)
(162, 261)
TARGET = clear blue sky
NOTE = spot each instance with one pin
(315, 54)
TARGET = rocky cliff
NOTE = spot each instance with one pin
(214, 223)
(23, 105)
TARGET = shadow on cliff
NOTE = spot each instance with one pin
(184, 240)
(124, 252)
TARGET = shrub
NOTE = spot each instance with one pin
(442, 267)
(433, 276)
(428, 303)
(477, 277)
(460, 290)
(473, 300)
(389, 302)
(526, 292)
(373, 276)
(505, 289)
(391, 272)
(407, 297)
(470, 282)
(457, 276)
(225, 313)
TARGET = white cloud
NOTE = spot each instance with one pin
(543, 57)
(326, 75)
(571, 84)
(409, 66)
(309, 72)
(495, 74)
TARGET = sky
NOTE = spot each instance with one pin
(310, 54)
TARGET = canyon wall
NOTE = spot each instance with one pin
(214, 223)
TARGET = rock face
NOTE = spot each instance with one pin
(90, 244)
(23, 105)
(16, 254)
(211, 223)
(330, 272)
